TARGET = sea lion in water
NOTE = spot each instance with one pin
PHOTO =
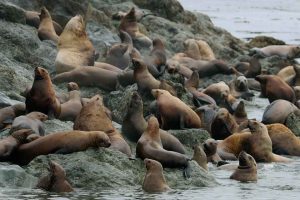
(278, 111)
(46, 29)
(154, 180)
(273, 87)
(60, 142)
(174, 113)
(33, 121)
(74, 47)
(286, 51)
(8, 114)
(200, 157)
(149, 146)
(93, 117)
(247, 169)
(198, 50)
(41, 96)
(55, 181)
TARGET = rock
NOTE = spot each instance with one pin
(293, 123)
(190, 137)
(55, 125)
(6, 101)
(12, 13)
(263, 41)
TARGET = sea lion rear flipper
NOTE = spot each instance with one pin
(187, 171)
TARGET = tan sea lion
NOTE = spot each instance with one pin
(107, 66)
(74, 47)
(93, 117)
(198, 50)
(200, 157)
(273, 87)
(174, 113)
(60, 142)
(41, 96)
(33, 121)
(210, 148)
(286, 51)
(46, 29)
(55, 181)
(154, 180)
(287, 74)
(239, 88)
(149, 146)
(8, 114)
(247, 169)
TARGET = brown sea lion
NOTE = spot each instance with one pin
(250, 69)
(134, 124)
(278, 111)
(8, 114)
(239, 88)
(247, 169)
(149, 146)
(93, 117)
(60, 142)
(174, 66)
(174, 113)
(240, 113)
(74, 47)
(129, 24)
(9, 144)
(33, 121)
(55, 181)
(287, 74)
(210, 148)
(207, 114)
(46, 29)
(154, 180)
(273, 87)
(286, 51)
(41, 96)
(198, 50)
(200, 157)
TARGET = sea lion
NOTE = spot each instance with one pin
(154, 180)
(174, 113)
(46, 29)
(200, 157)
(207, 114)
(239, 88)
(247, 169)
(174, 66)
(210, 148)
(250, 69)
(285, 51)
(8, 114)
(129, 24)
(9, 144)
(93, 117)
(134, 124)
(55, 181)
(198, 50)
(287, 74)
(74, 47)
(60, 142)
(240, 113)
(278, 111)
(41, 96)
(273, 87)
(107, 66)
(33, 121)
(297, 75)
(149, 146)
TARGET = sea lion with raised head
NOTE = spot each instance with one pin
(8, 114)
(210, 149)
(239, 88)
(46, 29)
(200, 156)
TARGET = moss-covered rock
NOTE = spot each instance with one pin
(263, 41)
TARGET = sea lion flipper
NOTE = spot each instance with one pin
(187, 171)
(247, 96)
(64, 151)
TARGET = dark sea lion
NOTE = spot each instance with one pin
(149, 146)
(8, 114)
(210, 148)
(46, 29)
(207, 114)
(174, 113)
(285, 51)
(154, 180)
(93, 117)
(55, 181)
(41, 96)
(198, 50)
(247, 169)
(250, 69)
(200, 156)
(60, 142)
(278, 111)
(273, 87)
(74, 47)
(33, 121)
(240, 113)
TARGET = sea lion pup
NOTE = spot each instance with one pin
(129, 24)
(74, 47)
(41, 96)
(145, 81)
(8, 114)
(273, 87)
(56, 180)
(287, 74)
(149, 146)
(240, 113)
(247, 169)
(71, 108)
(33, 121)
(200, 157)
(285, 51)
(90, 76)
(134, 124)
(61, 143)
(278, 111)
(250, 69)
(198, 50)
(154, 180)
(93, 117)
(199, 97)
(174, 113)
(223, 125)
(46, 29)
(9, 144)
(206, 113)
(239, 88)
(210, 148)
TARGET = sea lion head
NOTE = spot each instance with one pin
(193, 81)
(240, 110)
(261, 78)
(41, 74)
(246, 161)
(158, 44)
(56, 170)
(241, 83)
(76, 26)
(38, 115)
(44, 13)
(256, 127)
(131, 15)
(210, 147)
(22, 134)
(172, 66)
(152, 165)
(72, 86)
(136, 103)
(138, 64)
(157, 92)
(153, 127)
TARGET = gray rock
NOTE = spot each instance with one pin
(10, 12)
(55, 125)
(6, 101)
(293, 123)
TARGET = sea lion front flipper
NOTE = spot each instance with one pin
(187, 171)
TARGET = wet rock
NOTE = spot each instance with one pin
(293, 123)
(263, 41)
(190, 137)
(12, 13)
